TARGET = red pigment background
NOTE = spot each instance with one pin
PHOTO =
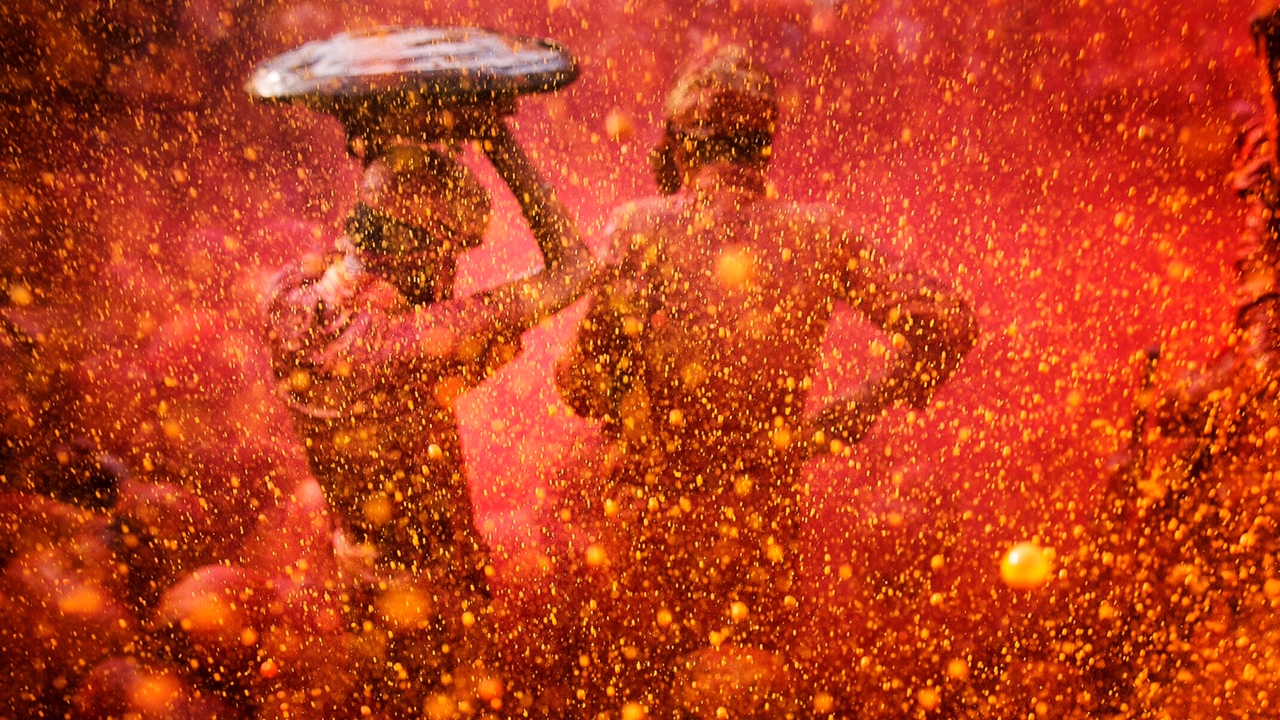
(1063, 163)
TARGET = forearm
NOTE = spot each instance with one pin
(553, 228)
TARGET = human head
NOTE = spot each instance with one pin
(418, 209)
(722, 107)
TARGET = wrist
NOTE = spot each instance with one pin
(882, 394)
(497, 140)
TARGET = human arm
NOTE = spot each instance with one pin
(569, 262)
(600, 376)
(486, 328)
(502, 313)
(930, 328)
(517, 305)
(601, 367)
(1253, 177)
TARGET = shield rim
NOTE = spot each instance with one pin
(446, 84)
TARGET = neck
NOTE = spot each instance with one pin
(422, 278)
(724, 175)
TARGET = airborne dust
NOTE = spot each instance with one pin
(1046, 538)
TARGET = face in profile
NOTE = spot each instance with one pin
(419, 261)
(418, 209)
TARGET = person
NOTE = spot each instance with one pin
(372, 348)
(698, 354)
(1213, 424)
(1213, 409)
(1193, 501)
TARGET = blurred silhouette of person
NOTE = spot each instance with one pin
(1197, 498)
(1214, 406)
(1253, 177)
(697, 354)
(372, 348)
(1218, 419)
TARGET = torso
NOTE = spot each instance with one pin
(739, 291)
(381, 438)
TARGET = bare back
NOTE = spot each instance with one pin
(741, 291)
(702, 342)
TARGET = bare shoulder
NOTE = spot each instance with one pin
(815, 213)
(293, 297)
(296, 275)
(828, 230)
(644, 211)
(635, 224)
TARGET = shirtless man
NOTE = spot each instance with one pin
(698, 354)
(372, 348)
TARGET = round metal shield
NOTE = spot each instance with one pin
(446, 64)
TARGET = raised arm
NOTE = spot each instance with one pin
(520, 304)
(463, 330)
(566, 256)
(930, 328)
(510, 309)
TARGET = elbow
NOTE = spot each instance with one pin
(956, 340)
(964, 335)
(951, 332)
(577, 389)
(579, 271)
(555, 289)
(936, 356)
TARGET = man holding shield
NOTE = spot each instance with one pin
(372, 348)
